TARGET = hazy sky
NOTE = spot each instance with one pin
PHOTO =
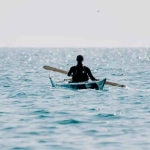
(80, 23)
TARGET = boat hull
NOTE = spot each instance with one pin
(97, 85)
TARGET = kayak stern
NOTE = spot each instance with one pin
(97, 85)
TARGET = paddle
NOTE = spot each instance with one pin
(55, 69)
(65, 72)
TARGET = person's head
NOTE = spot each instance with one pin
(79, 58)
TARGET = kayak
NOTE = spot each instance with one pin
(97, 85)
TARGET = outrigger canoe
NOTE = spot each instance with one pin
(97, 85)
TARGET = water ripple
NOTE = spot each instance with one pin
(34, 115)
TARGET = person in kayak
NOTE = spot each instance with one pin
(80, 73)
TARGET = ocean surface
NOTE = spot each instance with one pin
(35, 116)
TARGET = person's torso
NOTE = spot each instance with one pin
(80, 74)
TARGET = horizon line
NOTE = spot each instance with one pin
(74, 47)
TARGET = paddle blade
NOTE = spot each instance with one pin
(114, 84)
(55, 69)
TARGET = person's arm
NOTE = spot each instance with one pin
(90, 74)
(70, 71)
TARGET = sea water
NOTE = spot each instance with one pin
(35, 116)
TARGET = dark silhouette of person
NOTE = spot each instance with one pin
(80, 73)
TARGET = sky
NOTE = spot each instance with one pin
(74, 23)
